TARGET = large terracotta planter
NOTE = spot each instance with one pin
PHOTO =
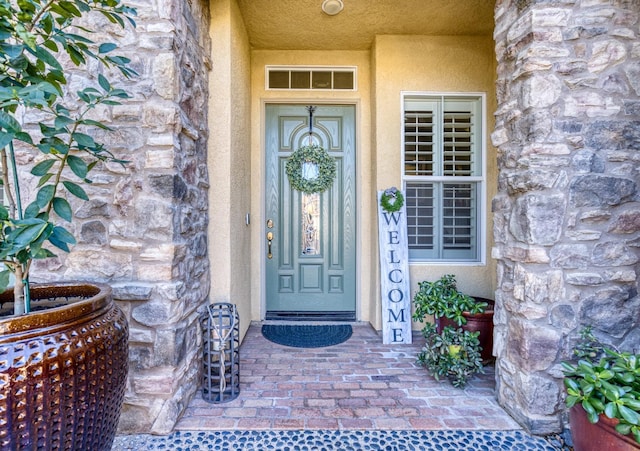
(63, 370)
(482, 322)
(600, 436)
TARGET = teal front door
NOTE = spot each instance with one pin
(310, 238)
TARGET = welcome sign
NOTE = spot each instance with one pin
(394, 267)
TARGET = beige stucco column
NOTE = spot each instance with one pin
(229, 161)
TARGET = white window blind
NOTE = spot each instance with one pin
(443, 177)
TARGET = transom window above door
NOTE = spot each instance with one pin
(311, 78)
(444, 176)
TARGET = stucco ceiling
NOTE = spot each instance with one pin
(301, 24)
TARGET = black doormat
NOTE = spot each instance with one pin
(307, 336)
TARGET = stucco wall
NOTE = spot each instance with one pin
(396, 64)
(229, 160)
(449, 64)
(259, 59)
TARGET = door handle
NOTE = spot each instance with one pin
(269, 240)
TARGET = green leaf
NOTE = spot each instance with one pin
(12, 51)
(28, 38)
(629, 415)
(76, 55)
(47, 57)
(62, 208)
(24, 137)
(83, 140)
(107, 47)
(633, 403)
(48, 88)
(22, 237)
(45, 195)
(104, 83)
(9, 123)
(42, 168)
(597, 404)
(62, 121)
(4, 213)
(78, 38)
(76, 190)
(51, 45)
(623, 428)
(61, 238)
(592, 415)
(70, 8)
(5, 278)
(78, 166)
(121, 93)
(5, 138)
(606, 374)
(32, 210)
(571, 384)
(571, 401)
(43, 253)
(44, 179)
(611, 410)
(93, 123)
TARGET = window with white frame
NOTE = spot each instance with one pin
(443, 176)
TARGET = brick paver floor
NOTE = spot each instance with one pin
(359, 384)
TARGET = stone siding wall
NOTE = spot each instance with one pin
(567, 214)
(145, 229)
(172, 207)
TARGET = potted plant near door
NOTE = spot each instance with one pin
(603, 394)
(453, 353)
(63, 347)
(451, 307)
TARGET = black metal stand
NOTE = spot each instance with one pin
(221, 327)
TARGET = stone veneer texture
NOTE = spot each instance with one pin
(144, 230)
(567, 213)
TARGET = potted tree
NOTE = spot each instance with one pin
(603, 394)
(63, 358)
(451, 307)
(453, 353)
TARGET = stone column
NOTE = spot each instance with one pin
(567, 214)
(145, 230)
(165, 336)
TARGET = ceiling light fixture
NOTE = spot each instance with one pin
(332, 7)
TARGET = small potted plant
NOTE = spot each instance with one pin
(65, 345)
(453, 354)
(451, 307)
(603, 394)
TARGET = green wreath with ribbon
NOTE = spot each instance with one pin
(387, 196)
(326, 169)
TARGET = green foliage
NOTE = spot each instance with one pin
(454, 354)
(442, 299)
(36, 37)
(605, 381)
(326, 169)
(386, 200)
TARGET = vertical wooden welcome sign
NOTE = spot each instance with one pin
(394, 267)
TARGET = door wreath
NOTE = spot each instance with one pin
(311, 169)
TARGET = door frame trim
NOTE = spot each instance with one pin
(263, 247)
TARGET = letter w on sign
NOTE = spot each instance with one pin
(394, 275)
